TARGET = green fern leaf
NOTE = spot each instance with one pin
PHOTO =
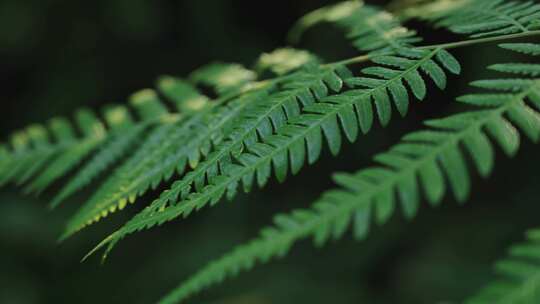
(518, 68)
(125, 133)
(167, 150)
(525, 48)
(94, 133)
(32, 149)
(21, 167)
(257, 130)
(417, 165)
(299, 140)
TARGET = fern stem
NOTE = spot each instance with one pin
(451, 45)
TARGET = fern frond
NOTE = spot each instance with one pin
(25, 146)
(168, 149)
(301, 137)
(369, 28)
(121, 140)
(125, 133)
(32, 150)
(418, 165)
(56, 149)
(519, 281)
(94, 135)
(481, 18)
(254, 130)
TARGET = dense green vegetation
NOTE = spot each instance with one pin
(192, 143)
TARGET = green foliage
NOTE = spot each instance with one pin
(116, 146)
(416, 167)
(478, 18)
(300, 123)
(481, 18)
(519, 281)
(206, 148)
(167, 149)
(46, 153)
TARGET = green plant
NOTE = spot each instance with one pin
(256, 126)
(521, 275)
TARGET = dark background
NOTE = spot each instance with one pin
(58, 55)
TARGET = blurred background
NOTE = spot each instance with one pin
(58, 55)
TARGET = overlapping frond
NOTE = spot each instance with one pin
(116, 145)
(185, 99)
(40, 154)
(180, 144)
(481, 18)
(296, 135)
(30, 149)
(254, 130)
(370, 28)
(426, 163)
(519, 276)
(168, 149)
